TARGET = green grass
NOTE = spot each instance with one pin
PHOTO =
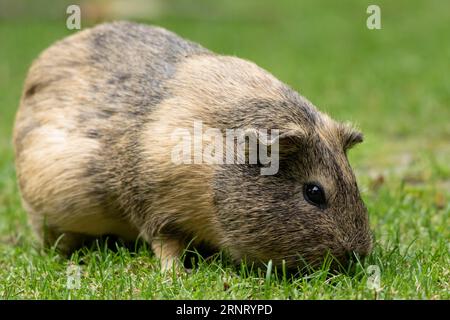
(393, 82)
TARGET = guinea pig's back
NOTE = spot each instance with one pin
(83, 100)
(110, 72)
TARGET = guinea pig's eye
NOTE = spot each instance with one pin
(314, 194)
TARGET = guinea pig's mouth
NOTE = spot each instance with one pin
(343, 263)
(347, 263)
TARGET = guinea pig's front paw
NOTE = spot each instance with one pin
(168, 251)
(171, 264)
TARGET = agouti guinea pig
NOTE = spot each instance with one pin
(94, 145)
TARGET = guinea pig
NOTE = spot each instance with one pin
(94, 143)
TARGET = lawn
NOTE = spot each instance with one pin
(394, 83)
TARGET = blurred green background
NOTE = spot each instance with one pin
(394, 83)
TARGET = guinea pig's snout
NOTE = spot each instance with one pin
(351, 253)
(350, 256)
(356, 248)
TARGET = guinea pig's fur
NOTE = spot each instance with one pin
(93, 152)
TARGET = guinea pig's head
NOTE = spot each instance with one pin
(309, 209)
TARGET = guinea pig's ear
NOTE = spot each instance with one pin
(349, 136)
(288, 141)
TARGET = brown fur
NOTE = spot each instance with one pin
(93, 152)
